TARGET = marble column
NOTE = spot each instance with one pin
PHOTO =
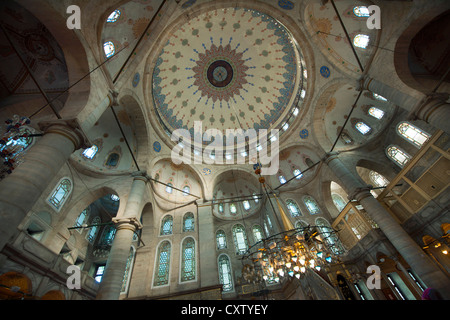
(433, 108)
(400, 239)
(126, 226)
(209, 275)
(21, 189)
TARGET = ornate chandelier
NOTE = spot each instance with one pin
(290, 253)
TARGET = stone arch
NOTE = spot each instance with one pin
(436, 16)
(75, 55)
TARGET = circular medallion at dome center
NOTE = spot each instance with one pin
(220, 73)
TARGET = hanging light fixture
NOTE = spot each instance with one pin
(289, 253)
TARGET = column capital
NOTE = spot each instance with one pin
(130, 223)
(70, 129)
(140, 175)
(360, 193)
(430, 104)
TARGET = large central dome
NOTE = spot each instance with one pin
(230, 68)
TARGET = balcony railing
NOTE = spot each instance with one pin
(425, 177)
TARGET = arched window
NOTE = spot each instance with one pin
(225, 276)
(300, 224)
(361, 41)
(282, 179)
(92, 234)
(255, 197)
(13, 147)
(163, 264)
(166, 225)
(379, 97)
(114, 16)
(246, 204)
(220, 207)
(362, 127)
(412, 134)
(297, 174)
(377, 179)
(338, 201)
(60, 194)
(188, 222)
(108, 235)
(188, 260)
(82, 217)
(186, 190)
(397, 155)
(361, 11)
(113, 160)
(293, 208)
(114, 197)
(376, 113)
(240, 239)
(329, 236)
(346, 138)
(169, 188)
(221, 239)
(109, 49)
(90, 153)
(128, 268)
(233, 208)
(311, 204)
(257, 233)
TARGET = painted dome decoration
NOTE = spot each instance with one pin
(231, 68)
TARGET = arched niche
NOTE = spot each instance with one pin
(297, 164)
(175, 185)
(235, 193)
(421, 55)
(369, 119)
(74, 55)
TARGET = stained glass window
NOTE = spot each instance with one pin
(378, 97)
(361, 41)
(282, 179)
(377, 179)
(412, 134)
(246, 204)
(240, 239)
(375, 112)
(298, 174)
(233, 208)
(15, 146)
(221, 207)
(361, 11)
(338, 201)
(92, 234)
(188, 222)
(188, 260)
(108, 235)
(225, 277)
(60, 193)
(169, 188)
(113, 160)
(396, 154)
(255, 198)
(114, 16)
(128, 267)
(362, 127)
(114, 197)
(329, 236)
(163, 264)
(257, 233)
(166, 225)
(82, 217)
(99, 273)
(109, 49)
(186, 190)
(90, 153)
(221, 239)
(293, 208)
(346, 138)
(312, 205)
